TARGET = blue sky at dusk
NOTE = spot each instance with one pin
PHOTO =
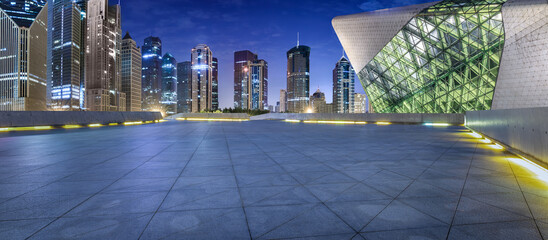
(266, 27)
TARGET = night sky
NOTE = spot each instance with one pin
(266, 27)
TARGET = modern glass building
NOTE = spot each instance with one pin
(202, 78)
(131, 73)
(258, 85)
(184, 87)
(169, 84)
(103, 58)
(215, 85)
(23, 55)
(65, 58)
(298, 79)
(241, 77)
(152, 73)
(450, 56)
(343, 87)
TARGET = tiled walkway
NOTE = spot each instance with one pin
(264, 180)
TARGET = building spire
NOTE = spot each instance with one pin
(298, 39)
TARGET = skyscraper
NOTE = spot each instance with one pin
(184, 87)
(83, 4)
(343, 87)
(258, 85)
(131, 73)
(241, 77)
(202, 78)
(317, 102)
(215, 85)
(23, 55)
(152, 73)
(283, 101)
(169, 84)
(360, 103)
(298, 78)
(64, 55)
(103, 58)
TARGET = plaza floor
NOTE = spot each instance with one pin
(264, 180)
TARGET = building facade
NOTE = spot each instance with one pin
(215, 85)
(283, 101)
(360, 103)
(202, 78)
(450, 56)
(152, 73)
(241, 77)
(23, 55)
(131, 73)
(169, 84)
(103, 58)
(298, 79)
(64, 56)
(258, 85)
(318, 103)
(343, 87)
(184, 87)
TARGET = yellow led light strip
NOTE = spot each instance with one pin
(437, 124)
(334, 122)
(216, 119)
(132, 123)
(383, 123)
(72, 126)
(292, 121)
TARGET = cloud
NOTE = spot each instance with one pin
(372, 5)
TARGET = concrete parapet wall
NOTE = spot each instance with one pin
(211, 115)
(412, 118)
(36, 118)
(523, 129)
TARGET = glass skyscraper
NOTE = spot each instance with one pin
(298, 79)
(258, 85)
(241, 77)
(103, 58)
(131, 73)
(215, 85)
(65, 56)
(152, 73)
(202, 78)
(343, 87)
(23, 55)
(184, 87)
(169, 84)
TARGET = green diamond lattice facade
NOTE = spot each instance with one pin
(442, 57)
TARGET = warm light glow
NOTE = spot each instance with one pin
(180, 119)
(309, 110)
(496, 146)
(293, 121)
(361, 123)
(132, 123)
(162, 121)
(485, 141)
(72, 126)
(383, 123)
(113, 124)
(42, 128)
(475, 135)
(217, 119)
(95, 125)
(437, 124)
(334, 122)
(537, 170)
(4, 129)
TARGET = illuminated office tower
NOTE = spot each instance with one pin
(103, 58)
(131, 73)
(241, 77)
(215, 85)
(298, 79)
(283, 100)
(202, 78)
(258, 85)
(23, 55)
(64, 56)
(360, 103)
(317, 102)
(169, 84)
(343, 87)
(152, 73)
(184, 87)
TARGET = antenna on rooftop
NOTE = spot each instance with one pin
(298, 39)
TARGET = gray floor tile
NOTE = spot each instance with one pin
(471, 211)
(400, 216)
(119, 203)
(505, 230)
(192, 199)
(21, 229)
(435, 233)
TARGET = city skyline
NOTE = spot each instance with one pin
(182, 29)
